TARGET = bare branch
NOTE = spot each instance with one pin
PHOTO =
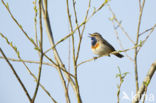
(41, 53)
(51, 40)
(23, 61)
(121, 76)
(145, 83)
(18, 78)
(147, 30)
(107, 55)
(135, 52)
(117, 36)
(78, 50)
(143, 42)
(76, 19)
(19, 25)
(74, 61)
(35, 22)
(119, 24)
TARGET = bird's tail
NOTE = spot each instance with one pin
(118, 55)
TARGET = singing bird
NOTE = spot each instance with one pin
(101, 47)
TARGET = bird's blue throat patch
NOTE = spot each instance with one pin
(93, 41)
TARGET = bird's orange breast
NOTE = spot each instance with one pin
(95, 46)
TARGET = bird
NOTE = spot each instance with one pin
(100, 46)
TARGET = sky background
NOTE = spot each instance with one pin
(97, 80)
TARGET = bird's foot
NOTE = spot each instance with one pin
(95, 58)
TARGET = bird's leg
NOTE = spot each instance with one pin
(95, 58)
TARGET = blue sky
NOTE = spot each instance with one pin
(96, 78)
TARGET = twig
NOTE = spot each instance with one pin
(51, 40)
(69, 52)
(143, 42)
(145, 83)
(37, 62)
(78, 50)
(119, 24)
(28, 61)
(19, 25)
(23, 61)
(144, 95)
(121, 77)
(117, 36)
(135, 52)
(74, 61)
(107, 55)
(84, 22)
(30, 39)
(76, 20)
(147, 30)
(35, 22)
(41, 53)
(18, 78)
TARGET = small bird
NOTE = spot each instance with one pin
(101, 47)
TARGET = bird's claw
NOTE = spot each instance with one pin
(95, 58)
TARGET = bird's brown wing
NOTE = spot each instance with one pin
(108, 44)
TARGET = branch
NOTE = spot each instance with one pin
(30, 39)
(94, 58)
(121, 76)
(84, 22)
(18, 78)
(35, 22)
(78, 50)
(135, 52)
(51, 40)
(41, 53)
(76, 20)
(143, 42)
(19, 25)
(117, 36)
(153, 27)
(74, 61)
(28, 61)
(37, 62)
(119, 24)
(145, 83)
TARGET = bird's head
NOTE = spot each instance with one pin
(95, 37)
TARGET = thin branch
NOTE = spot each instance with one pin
(37, 62)
(21, 60)
(120, 43)
(76, 20)
(147, 30)
(78, 50)
(119, 24)
(94, 58)
(117, 36)
(143, 42)
(28, 61)
(41, 53)
(35, 21)
(51, 40)
(135, 52)
(69, 52)
(145, 83)
(84, 22)
(18, 78)
(30, 39)
(145, 94)
(64, 85)
(19, 25)
(74, 61)
(121, 77)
